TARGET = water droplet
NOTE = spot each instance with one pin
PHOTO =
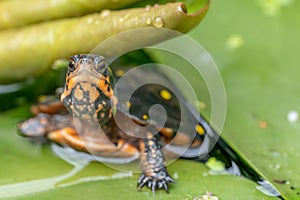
(158, 22)
(90, 20)
(148, 20)
(148, 7)
(104, 13)
(293, 116)
(140, 20)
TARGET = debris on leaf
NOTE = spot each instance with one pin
(263, 124)
(282, 182)
(215, 165)
(266, 188)
(207, 196)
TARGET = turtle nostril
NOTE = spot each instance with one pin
(84, 60)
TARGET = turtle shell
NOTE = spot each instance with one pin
(155, 99)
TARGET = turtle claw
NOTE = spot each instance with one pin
(154, 183)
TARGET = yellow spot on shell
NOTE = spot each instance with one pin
(165, 95)
(42, 98)
(145, 117)
(200, 130)
(119, 72)
(128, 104)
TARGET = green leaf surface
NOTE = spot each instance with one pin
(255, 46)
(26, 168)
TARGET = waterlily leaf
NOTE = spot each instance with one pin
(32, 172)
(254, 46)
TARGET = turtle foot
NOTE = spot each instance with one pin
(157, 180)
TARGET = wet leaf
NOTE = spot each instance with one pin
(257, 55)
(34, 172)
(15, 14)
(36, 47)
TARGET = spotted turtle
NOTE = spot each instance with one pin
(91, 117)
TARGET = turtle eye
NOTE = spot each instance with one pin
(72, 65)
(101, 67)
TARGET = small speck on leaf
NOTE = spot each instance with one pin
(207, 196)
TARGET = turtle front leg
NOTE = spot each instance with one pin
(154, 171)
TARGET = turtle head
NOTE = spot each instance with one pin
(88, 92)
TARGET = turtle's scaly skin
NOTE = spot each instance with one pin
(153, 163)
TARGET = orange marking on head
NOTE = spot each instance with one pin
(70, 82)
(103, 86)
